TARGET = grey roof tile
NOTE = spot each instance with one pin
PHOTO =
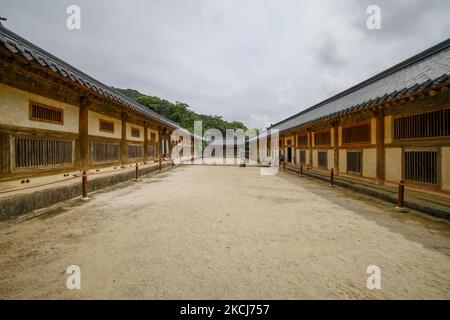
(17, 44)
(431, 67)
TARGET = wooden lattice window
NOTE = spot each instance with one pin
(421, 166)
(322, 138)
(356, 134)
(152, 136)
(425, 125)
(323, 159)
(34, 152)
(135, 132)
(151, 151)
(302, 140)
(105, 152)
(135, 151)
(40, 112)
(354, 161)
(289, 142)
(106, 126)
(302, 156)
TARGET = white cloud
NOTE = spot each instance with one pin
(335, 83)
(233, 58)
(259, 121)
(284, 93)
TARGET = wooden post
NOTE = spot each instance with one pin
(5, 153)
(336, 147)
(310, 143)
(137, 171)
(401, 195)
(83, 133)
(381, 170)
(332, 178)
(160, 164)
(84, 184)
(160, 142)
(145, 142)
(123, 142)
(301, 170)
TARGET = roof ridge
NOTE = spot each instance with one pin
(437, 48)
(22, 41)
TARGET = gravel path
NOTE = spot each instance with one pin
(224, 233)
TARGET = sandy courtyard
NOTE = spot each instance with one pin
(224, 233)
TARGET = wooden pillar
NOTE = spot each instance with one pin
(170, 144)
(83, 133)
(310, 143)
(123, 142)
(381, 170)
(160, 142)
(145, 142)
(336, 148)
(5, 153)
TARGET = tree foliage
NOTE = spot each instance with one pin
(181, 113)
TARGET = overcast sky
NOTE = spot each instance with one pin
(249, 60)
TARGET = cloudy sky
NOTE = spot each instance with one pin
(255, 61)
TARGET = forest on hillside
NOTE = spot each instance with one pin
(181, 112)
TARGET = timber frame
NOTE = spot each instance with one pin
(25, 72)
(383, 157)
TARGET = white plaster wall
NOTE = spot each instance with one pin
(315, 159)
(343, 161)
(94, 126)
(131, 138)
(330, 159)
(393, 164)
(370, 163)
(153, 131)
(14, 110)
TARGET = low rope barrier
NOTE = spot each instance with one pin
(75, 176)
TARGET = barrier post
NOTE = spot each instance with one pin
(137, 171)
(84, 183)
(332, 177)
(301, 170)
(401, 195)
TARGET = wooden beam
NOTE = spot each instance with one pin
(310, 148)
(123, 142)
(336, 147)
(380, 148)
(83, 133)
(160, 140)
(145, 142)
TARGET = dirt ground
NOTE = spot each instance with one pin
(224, 233)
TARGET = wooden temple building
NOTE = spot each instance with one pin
(56, 118)
(392, 127)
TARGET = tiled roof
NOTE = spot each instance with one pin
(18, 45)
(427, 70)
